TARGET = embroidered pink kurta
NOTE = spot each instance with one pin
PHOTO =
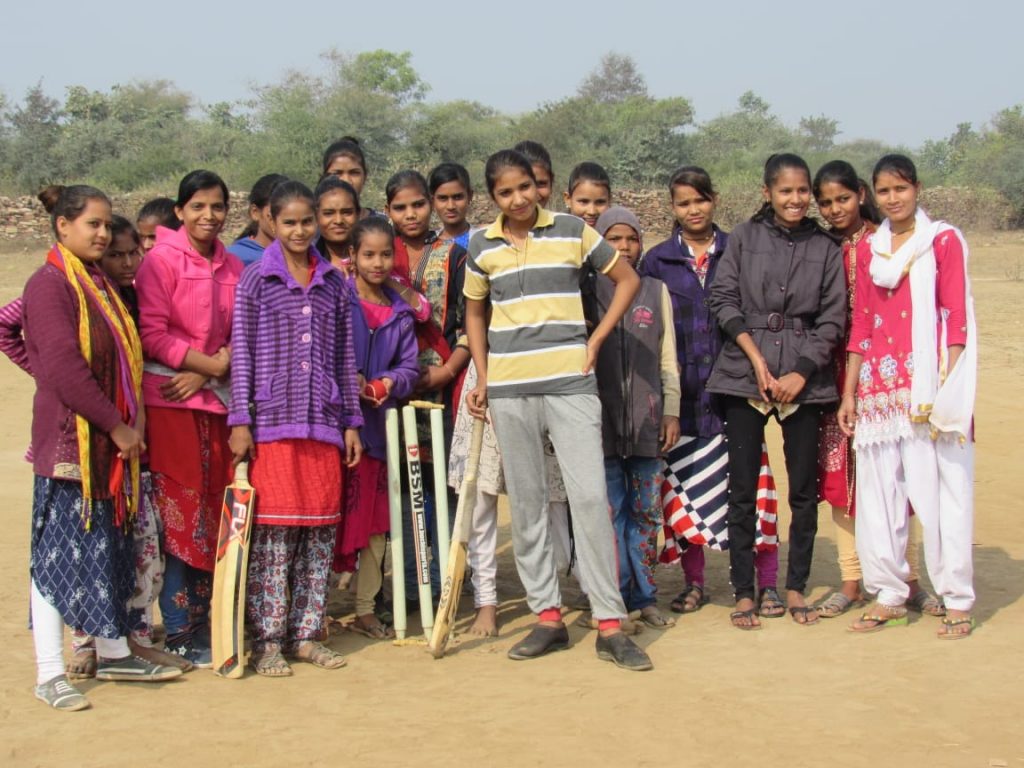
(881, 332)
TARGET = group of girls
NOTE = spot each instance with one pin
(173, 370)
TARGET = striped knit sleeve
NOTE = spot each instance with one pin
(345, 361)
(244, 323)
(12, 343)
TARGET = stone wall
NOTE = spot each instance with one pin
(23, 218)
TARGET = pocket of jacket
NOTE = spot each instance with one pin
(271, 395)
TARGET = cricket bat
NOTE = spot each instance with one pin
(451, 586)
(227, 605)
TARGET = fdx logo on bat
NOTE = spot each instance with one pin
(235, 519)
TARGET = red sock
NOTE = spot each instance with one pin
(551, 614)
(604, 624)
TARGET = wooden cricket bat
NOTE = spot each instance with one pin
(227, 604)
(451, 586)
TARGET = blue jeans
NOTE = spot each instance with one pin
(185, 596)
(634, 494)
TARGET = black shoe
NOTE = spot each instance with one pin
(541, 640)
(623, 652)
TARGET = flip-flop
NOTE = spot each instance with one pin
(897, 619)
(770, 605)
(803, 610)
(948, 624)
(749, 614)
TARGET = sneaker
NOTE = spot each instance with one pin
(60, 694)
(623, 652)
(134, 669)
(540, 641)
(188, 646)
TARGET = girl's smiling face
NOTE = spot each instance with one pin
(897, 198)
(375, 258)
(789, 196)
(840, 207)
(336, 215)
(203, 217)
(410, 210)
(515, 194)
(588, 201)
(295, 227)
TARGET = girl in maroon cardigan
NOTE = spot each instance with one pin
(87, 359)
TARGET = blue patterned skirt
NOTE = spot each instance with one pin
(88, 576)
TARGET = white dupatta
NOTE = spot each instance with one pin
(941, 398)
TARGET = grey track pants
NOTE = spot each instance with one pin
(573, 423)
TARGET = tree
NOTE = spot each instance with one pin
(819, 132)
(615, 79)
(380, 72)
(36, 127)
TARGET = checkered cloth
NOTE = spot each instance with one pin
(695, 496)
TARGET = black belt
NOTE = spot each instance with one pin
(775, 322)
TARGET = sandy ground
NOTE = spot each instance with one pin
(785, 696)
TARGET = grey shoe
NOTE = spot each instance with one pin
(133, 668)
(623, 652)
(60, 694)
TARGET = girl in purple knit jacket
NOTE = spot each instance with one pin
(295, 414)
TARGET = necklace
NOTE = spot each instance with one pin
(906, 231)
(700, 240)
(520, 267)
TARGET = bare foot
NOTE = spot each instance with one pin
(155, 655)
(82, 665)
(486, 622)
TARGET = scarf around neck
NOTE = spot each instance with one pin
(939, 397)
(124, 486)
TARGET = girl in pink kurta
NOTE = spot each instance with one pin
(846, 203)
(908, 401)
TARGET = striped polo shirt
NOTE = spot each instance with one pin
(537, 336)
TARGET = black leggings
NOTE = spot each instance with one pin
(744, 431)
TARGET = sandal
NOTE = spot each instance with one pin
(319, 655)
(882, 617)
(270, 662)
(924, 602)
(834, 605)
(82, 665)
(652, 617)
(949, 629)
(805, 611)
(690, 600)
(749, 615)
(375, 631)
(769, 604)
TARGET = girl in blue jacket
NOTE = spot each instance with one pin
(386, 353)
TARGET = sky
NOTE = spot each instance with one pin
(901, 71)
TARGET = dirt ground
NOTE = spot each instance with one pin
(788, 695)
